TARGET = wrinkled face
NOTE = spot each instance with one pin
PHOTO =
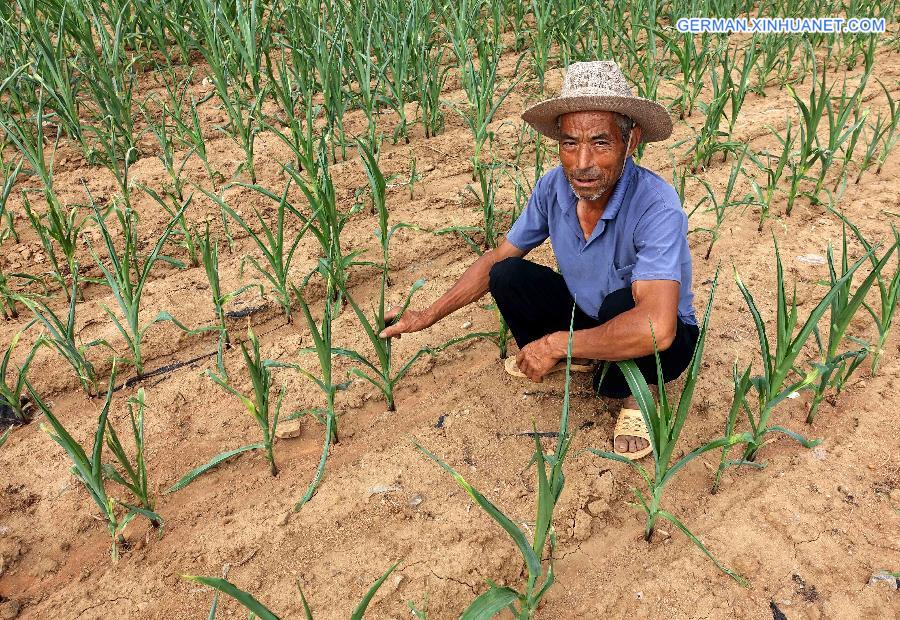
(592, 152)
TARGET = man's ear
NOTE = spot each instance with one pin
(634, 140)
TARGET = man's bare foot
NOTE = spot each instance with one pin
(629, 443)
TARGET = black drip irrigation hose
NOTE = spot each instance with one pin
(9, 418)
(176, 365)
(244, 312)
(533, 434)
(162, 371)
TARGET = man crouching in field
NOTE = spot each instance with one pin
(619, 235)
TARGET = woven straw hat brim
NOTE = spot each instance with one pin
(654, 119)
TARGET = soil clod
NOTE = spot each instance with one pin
(9, 610)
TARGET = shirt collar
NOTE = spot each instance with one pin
(614, 204)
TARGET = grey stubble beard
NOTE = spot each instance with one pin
(603, 189)
(588, 197)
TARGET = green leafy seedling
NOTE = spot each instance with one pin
(665, 421)
(258, 610)
(89, 469)
(550, 480)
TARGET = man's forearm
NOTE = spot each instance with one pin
(472, 286)
(626, 336)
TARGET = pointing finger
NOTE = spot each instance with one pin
(392, 331)
(388, 332)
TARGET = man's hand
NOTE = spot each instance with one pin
(411, 321)
(536, 359)
(473, 284)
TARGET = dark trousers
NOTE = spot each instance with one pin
(535, 301)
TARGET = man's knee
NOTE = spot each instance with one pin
(504, 272)
(615, 303)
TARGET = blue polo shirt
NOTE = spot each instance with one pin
(642, 235)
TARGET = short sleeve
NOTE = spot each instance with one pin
(660, 239)
(531, 228)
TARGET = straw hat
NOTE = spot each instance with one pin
(599, 85)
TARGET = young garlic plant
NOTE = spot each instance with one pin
(480, 83)
(187, 236)
(63, 228)
(836, 366)
(324, 349)
(882, 313)
(665, 422)
(132, 476)
(326, 222)
(192, 138)
(773, 169)
(258, 404)
(167, 140)
(550, 480)
(781, 378)
(488, 176)
(808, 150)
(295, 125)
(260, 611)
(90, 470)
(10, 174)
(380, 372)
(231, 48)
(209, 255)
(13, 404)
(742, 384)
(276, 243)
(127, 274)
(721, 204)
(62, 336)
